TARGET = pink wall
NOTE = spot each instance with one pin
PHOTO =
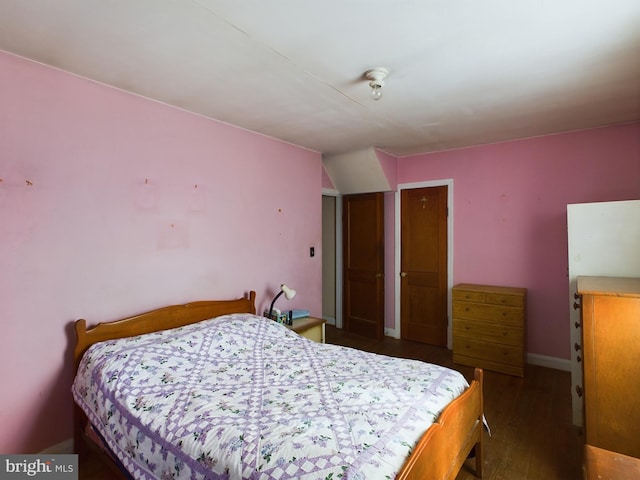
(510, 202)
(101, 218)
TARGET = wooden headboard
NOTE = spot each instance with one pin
(156, 320)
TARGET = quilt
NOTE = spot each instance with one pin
(243, 397)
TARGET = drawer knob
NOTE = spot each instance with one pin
(577, 346)
(579, 390)
(577, 324)
(576, 306)
(579, 358)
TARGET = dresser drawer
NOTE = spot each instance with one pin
(489, 332)
(492, 352)
(502, 299)
(468, 296)
(489, 365)
(488, 312)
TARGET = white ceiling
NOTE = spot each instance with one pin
(463, 72)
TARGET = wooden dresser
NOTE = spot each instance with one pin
(610, 313)
(489, 327)
(602, 464)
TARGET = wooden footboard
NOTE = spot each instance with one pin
(445, 446)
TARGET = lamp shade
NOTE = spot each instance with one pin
(289, 293)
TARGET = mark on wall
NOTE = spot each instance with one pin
(24, 204)
(172, 235)
(197, 201)
(145, 195)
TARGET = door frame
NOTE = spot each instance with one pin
(328, 192)
(405, 186)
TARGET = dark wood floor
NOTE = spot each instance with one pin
(530, 418)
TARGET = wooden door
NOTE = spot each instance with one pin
(423, 265)
(363, 269)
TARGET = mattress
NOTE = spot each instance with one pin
(243, 397)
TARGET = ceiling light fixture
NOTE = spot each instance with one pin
(376, 78)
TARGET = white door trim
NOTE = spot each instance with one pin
(338, 218)
(432, 183)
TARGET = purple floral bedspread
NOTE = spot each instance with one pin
(242, 397)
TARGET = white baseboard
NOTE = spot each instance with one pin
(391, 332)
(66, 446)
(329, 320)
(549, 362)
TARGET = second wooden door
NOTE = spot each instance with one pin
(423, 264)
(363, 269)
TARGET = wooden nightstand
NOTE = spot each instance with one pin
(309, 327)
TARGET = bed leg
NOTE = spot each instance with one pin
(478, 449)
(79, 446)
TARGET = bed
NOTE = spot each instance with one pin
(210, 390)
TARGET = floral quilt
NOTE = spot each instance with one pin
(243, 397)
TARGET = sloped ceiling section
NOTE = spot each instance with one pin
(359, 171)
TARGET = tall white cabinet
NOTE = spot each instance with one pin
(604, 240)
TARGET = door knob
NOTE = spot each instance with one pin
(378, 275)
(403, 274)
